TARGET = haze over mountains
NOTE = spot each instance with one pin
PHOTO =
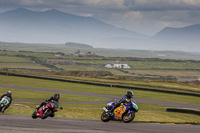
(56, 27)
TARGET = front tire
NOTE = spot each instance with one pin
(52, 115)
(46, 114)
(34, 115)
(105, 117)
(128, 117)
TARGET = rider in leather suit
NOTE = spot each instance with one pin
(56, 97)
(128, 96)
(9, 93)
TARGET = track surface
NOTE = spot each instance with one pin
(25, 124)
(110, 97)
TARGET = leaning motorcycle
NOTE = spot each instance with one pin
(4, 102)
(46, 110)
(125, 112)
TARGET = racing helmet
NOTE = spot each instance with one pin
(56, 97)
(129, 94)
(9, 93)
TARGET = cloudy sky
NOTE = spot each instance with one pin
(143, 16)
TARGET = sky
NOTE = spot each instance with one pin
(143, 16)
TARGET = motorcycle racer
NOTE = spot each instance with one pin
(9, 93)
(126, 97)
(56, 97)
(47, 108)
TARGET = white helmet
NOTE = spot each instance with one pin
(9, 93)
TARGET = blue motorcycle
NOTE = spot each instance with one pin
(125, 112)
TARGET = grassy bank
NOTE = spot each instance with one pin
(157, 84)
(42, 95)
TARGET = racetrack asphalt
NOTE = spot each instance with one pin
(109, 97)
(25, 124)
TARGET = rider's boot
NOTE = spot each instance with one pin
(3, 109)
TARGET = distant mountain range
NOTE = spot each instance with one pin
(185, 38)
(53, 26)
(56, 27)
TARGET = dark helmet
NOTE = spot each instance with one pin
(129, 94)
(56, 97)
(9, 93)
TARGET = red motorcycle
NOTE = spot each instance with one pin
(46, 110)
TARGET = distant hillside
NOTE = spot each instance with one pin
(188, 32)
(181, 39)
(77, 45)
(55, 27)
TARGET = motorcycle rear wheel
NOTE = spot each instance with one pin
(104, 117)
(128, 117)
(45, 115)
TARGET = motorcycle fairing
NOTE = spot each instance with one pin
(119, 111)
(5, 100)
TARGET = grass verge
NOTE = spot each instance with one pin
(41, 95)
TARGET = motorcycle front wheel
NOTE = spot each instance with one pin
(105, 117)
(34, 115)
(128, 117)
(46, 114)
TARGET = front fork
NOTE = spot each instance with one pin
(129, 111)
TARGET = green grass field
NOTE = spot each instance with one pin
(27, 54)
(41, 95)
(164, 65)
(165, 85)
(19, 81)
(13, 62)
(13, 59)
(175, 73)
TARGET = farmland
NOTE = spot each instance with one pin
(141, 68)
(12, 62)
